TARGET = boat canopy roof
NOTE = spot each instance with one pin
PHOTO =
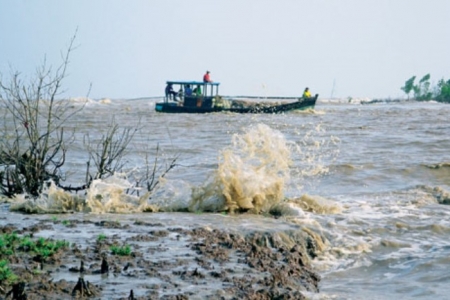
(193, 83)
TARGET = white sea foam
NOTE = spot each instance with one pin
(51, 200)
(81, 100)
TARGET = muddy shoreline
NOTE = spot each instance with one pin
(165, 261)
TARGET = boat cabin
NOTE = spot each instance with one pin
(192, 93)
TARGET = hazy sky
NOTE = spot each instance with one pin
(339, 48)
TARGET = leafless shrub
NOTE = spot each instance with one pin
(35, 150)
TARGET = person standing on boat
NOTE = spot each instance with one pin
(306, 94)
(206, 77)
(170, 91)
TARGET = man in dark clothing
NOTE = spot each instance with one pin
(170, 91)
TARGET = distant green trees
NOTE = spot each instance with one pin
(444, 91)
(423, 91)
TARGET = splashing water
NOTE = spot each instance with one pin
(51, 200)
(103, 196)
(251, 175)
(314, 152)
(109, 195)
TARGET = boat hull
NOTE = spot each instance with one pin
(300, 104)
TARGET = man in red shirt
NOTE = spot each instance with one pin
(206, 77)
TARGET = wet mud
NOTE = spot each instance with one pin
(160, 261)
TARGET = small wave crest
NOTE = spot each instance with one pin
(438, 194)
(316, 204)
(439, 165)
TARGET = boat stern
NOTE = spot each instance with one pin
(159, 107)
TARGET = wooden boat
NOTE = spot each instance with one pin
(209, 101)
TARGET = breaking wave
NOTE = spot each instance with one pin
(252, 173)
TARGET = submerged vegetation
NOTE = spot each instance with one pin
(36, 138)
(6, 275)
(423, 90)
(11, 245)
(121, 250)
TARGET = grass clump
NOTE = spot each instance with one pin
(101, 237)
(11, 243)
(6, 275)
(42, 247)
(122, 251)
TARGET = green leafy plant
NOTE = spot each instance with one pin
(5, 273)
(101, 237)
(122, 251)
(46, 248)
(11, 243)
(6, 242)
(37, 271)
(27, 245)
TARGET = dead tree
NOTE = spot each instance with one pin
(34, 143)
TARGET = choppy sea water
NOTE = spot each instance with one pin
(371, 180)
